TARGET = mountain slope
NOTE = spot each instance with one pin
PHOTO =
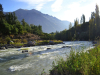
(48, 23)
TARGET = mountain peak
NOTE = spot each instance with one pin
(48, 22)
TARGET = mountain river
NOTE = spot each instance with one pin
(14, 62)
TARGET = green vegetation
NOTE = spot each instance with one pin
(80, 63)
(9, 25)
(47, 41)
(83, 30)
(11, 28)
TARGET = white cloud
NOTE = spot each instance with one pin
(57, 5)
(76, 9)
(37, 3)
(71, 11)
(82, 1)
(39, 6)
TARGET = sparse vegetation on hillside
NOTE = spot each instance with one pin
(83, 31)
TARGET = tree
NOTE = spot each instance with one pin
(1, 13)
(97, 23)
(70, 25)
(97, 15)
(83, 19)
(40, 28)
(91, 29)
(93, 16)
(1, 9)
(14, 18)
(5, 28)
(19, 26)
(97, 10)
(24, 24)
(76, 23)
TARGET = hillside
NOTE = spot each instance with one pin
(48, 23)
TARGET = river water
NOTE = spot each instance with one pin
(14, 62)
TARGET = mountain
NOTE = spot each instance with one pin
(49, 23)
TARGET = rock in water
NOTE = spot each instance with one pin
(48, 48)
(3, 48)
(23, 51)
(26, 50)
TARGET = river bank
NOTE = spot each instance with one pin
(79, 63)
(30, 43)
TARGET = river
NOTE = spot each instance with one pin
(14, 62)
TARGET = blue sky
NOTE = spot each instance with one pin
(62, 9)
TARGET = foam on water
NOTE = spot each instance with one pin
(19, 67)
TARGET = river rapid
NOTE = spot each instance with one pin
(14, 62)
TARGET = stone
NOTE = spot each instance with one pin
(51, 43)
(64, 47)
(48, 48)
(26, 50)
(3, 48)
(30, 43)
(6, 46)
(9, 42)
(23, 51)
(18, 46)
(94, 42)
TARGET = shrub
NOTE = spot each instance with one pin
(24, 41)
(17, 40)
(7, 38)
(83, 63)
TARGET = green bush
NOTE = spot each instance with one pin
(83, 63)
(7, 38)
(24, 41)
(45, 41)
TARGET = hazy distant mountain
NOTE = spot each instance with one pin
(48, 23)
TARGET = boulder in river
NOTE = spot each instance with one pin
(66, 47)
(62, 43)
(30, 43)
(48, 48)
(23, 51)
(2, 48)
(26, 50)
(6, 46)
(51, 43)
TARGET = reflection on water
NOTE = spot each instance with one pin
(14, 62)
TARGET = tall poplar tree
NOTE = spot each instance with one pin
(70, 25)
(83, 19)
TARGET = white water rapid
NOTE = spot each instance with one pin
(14, 62)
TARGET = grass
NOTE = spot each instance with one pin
(24, 48)
(19, 44)
(47, 41)
(83, 63)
